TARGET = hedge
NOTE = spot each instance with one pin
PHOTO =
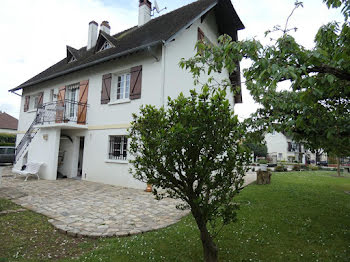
(7, 138)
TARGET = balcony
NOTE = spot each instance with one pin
(63, 113)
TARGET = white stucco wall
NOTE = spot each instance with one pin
(114, 119)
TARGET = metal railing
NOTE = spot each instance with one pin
(27, 138)
(65, 111)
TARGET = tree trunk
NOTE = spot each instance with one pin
(338, 166)
(210, 251)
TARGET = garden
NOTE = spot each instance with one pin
(300, 216)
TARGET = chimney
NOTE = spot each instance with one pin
(105, 27)
(92, 36)
(145, 8)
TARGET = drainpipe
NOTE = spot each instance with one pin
(163, 74)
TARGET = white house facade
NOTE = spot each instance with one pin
(282, 148)
(75, 115)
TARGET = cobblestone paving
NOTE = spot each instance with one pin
(82, 208)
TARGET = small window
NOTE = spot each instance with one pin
(123, 86)
(105, 46)
(2, 151)
(52, 95)
(72, 59)
(118, 147)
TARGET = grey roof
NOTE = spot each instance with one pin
(137, 38)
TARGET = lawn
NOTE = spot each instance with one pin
(301, 216)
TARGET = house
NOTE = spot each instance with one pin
(8, 124)
(282, 148)
(75, 115)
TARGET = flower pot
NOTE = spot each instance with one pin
(149, 188)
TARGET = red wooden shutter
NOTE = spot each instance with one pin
(83, 97)
(41, 98)
(200, 35)
(135, 82)
(106, 88)
(60, 104)
(26, 103)
(235, 79)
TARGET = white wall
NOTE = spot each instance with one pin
(180, 80)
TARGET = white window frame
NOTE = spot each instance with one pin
(106, 45)
(125, 96)
(124, 147)
(72, 109)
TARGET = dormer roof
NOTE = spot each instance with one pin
(103, 37)
(157, 31)
(72, 54)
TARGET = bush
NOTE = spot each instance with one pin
(296, 168)
(304, 167)
(262, 161)
(280, 168)
(314, 168)
(7, 138)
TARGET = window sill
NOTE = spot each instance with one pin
(120, 101)
(117, 161)
(31, 110)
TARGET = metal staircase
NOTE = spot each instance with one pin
(27, 138)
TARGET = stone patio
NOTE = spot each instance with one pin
(82, 208)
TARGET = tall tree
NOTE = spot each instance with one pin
(191, 151)
(315, 109)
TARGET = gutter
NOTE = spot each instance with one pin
(101, 60)
(162, 83)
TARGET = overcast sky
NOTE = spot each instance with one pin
(34, 33)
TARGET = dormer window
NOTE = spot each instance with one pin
(105, 46)
(72, 59)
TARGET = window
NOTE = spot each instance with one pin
(72, 59)
(105, 46)
(118, 147)
(52, 95)
(280, 155)
(123, 86)
(36, 101)
(10, 151)
(72, 104)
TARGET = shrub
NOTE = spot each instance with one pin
(314, 168)
(7, 138)
(280, 168)
(296, 168)
(7, 144)
(304, 167)
(262, 161)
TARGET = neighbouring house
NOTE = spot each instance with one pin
(282, 148)
(8, 124)
(75, 115)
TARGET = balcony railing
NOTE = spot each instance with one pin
(65, 111)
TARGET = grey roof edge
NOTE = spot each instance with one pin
(104, 59)
(191, 22)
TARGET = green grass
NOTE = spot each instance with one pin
(301, 216)
(27, 236)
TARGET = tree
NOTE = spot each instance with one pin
(191, 151)
(315, 109)
(259, 150)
